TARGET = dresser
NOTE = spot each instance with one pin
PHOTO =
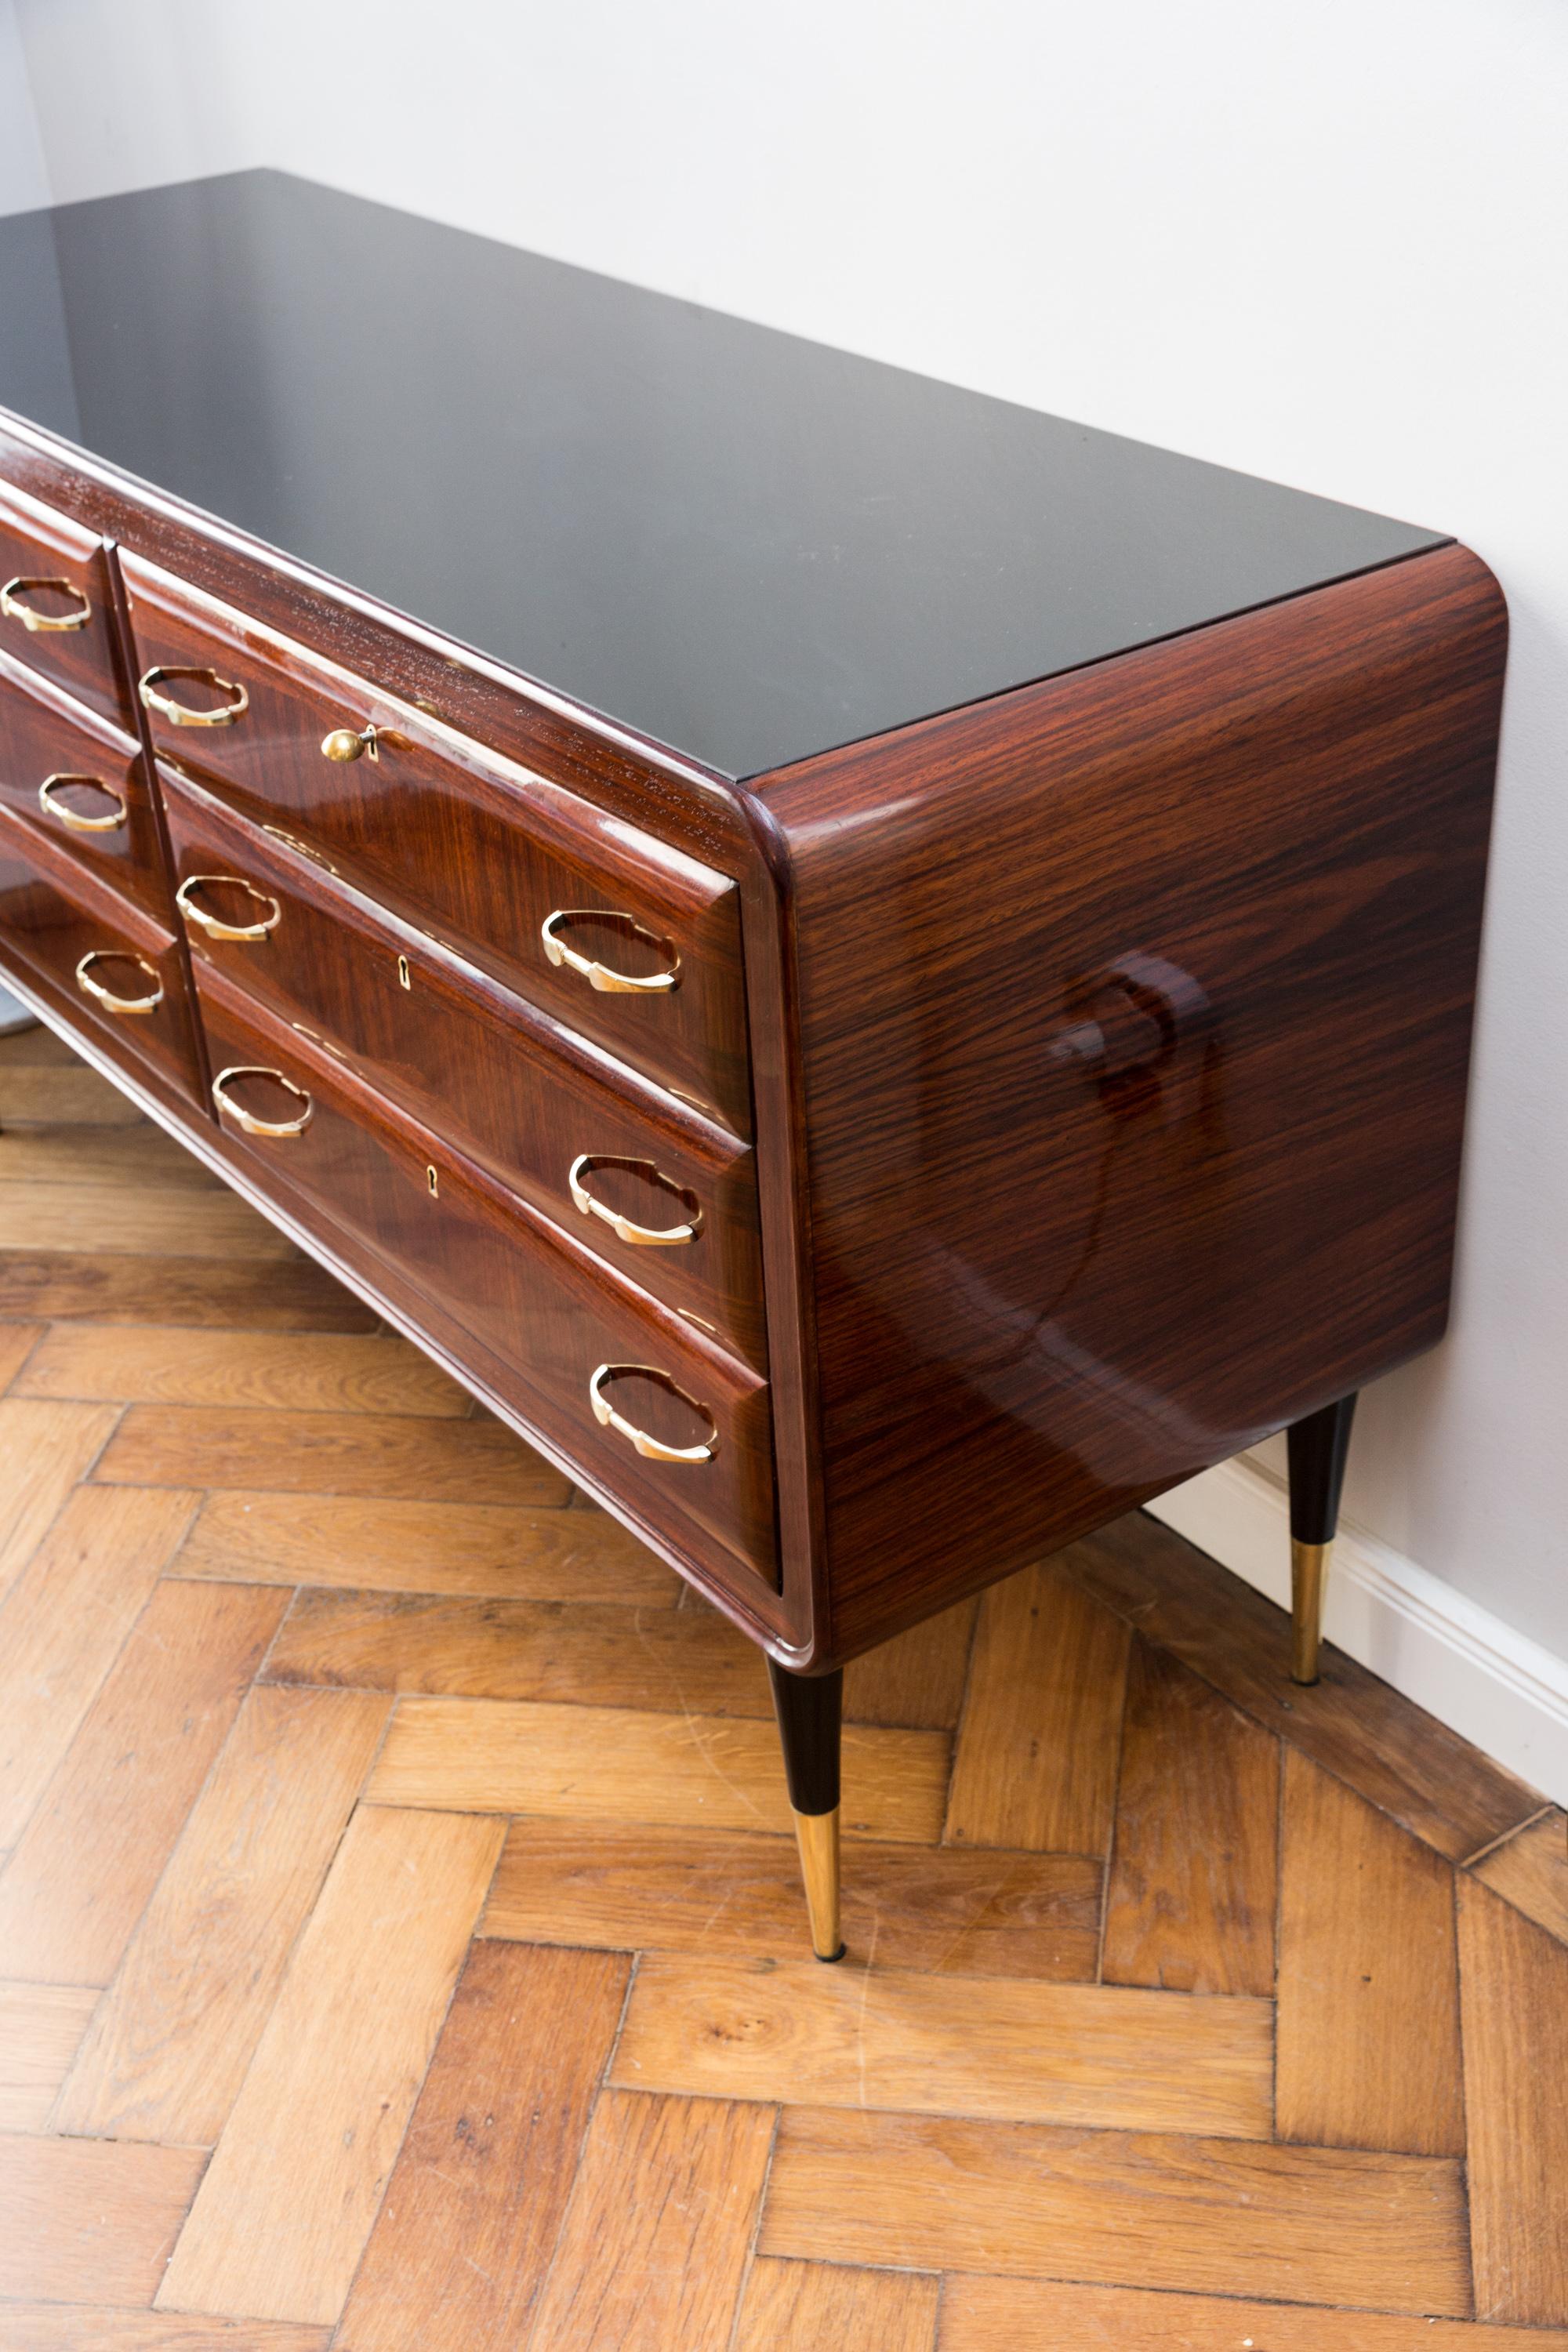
(882, 975)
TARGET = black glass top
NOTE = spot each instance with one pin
(749, 547)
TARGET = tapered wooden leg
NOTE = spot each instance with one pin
(810, 1711)
(1317, 1447)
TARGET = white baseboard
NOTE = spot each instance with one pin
(1464, 1665)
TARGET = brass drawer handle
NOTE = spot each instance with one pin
(15, 607)
(343, 743)
(215, 929)
(106, 997)
(72, 819)
(276, 1130)
(641, 1236)
(600, 975)
(655, 1448)
(180, 714)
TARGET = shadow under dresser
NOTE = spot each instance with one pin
(856, 960)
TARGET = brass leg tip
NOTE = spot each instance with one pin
(817, 1836)
(1308, 1575)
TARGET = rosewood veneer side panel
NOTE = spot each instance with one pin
(1046, 1288)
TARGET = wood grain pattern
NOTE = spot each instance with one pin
(304, 1372)
(40, 2027)
(67, 2327)
(140, 1154)
(674, 1661)
(481, 851)
(804, 2306)
(476, 1061)
(45, 1214)
(655, 2243)
(1397, 1756)
(1368, 1992)
(31, 1097)
(1046, 1682)
(791, 2031)
(45, 1449)
(1530, 1871)
(462, 2243)
(1192, 1887)
(1287, 811)
(277, 2226)
(17, 1341)
(618, 1764)
(1212, 2217)
(66, 1617)
(951, 1913)
(1003, 2315)
(80, 1875)
(384, 1455)
(508, 1552)
(919, 1677)
(175, 2033)
(83, 2220)
(288, 1294)
(1514, 1983)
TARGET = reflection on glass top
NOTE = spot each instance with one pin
(749, 547)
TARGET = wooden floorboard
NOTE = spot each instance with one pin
(632, 1887)
(401, 1940)
(1368, 1990)
(1209, 2216)
(462, 2245)
(1515, 1993)
(484, 1550)
(1005, 2315)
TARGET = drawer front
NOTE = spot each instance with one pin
(479, 1067)
(99, 961)
(55, 610)
(81, 783)
(643, 952)
(552, 1313)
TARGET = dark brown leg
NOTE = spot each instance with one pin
(810, 1711)
(1317, 1446)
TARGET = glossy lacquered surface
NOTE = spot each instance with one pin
(468, 847)
(57, 618)
(545, 1310)
(1134, 1117)
(54, 914)
(745, 546)
(515, 1092)
(83, 782)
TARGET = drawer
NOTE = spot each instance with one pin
(643, 952)
(481, 1068)
(555, 1316)
(81, 782)
(112, 971)
(55, 608)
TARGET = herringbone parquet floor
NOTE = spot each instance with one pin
(399, 1936)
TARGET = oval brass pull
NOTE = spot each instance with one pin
(180, 714)
(642, 1236)
(343, 743)
(106, 997)
(73, 819)
(15, 607)
(276, 1130)
(653, 1448)
(600, 975)
(214, 927)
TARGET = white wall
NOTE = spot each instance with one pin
(1327, 243)
(23, 181)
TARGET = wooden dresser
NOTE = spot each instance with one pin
(859, 962)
